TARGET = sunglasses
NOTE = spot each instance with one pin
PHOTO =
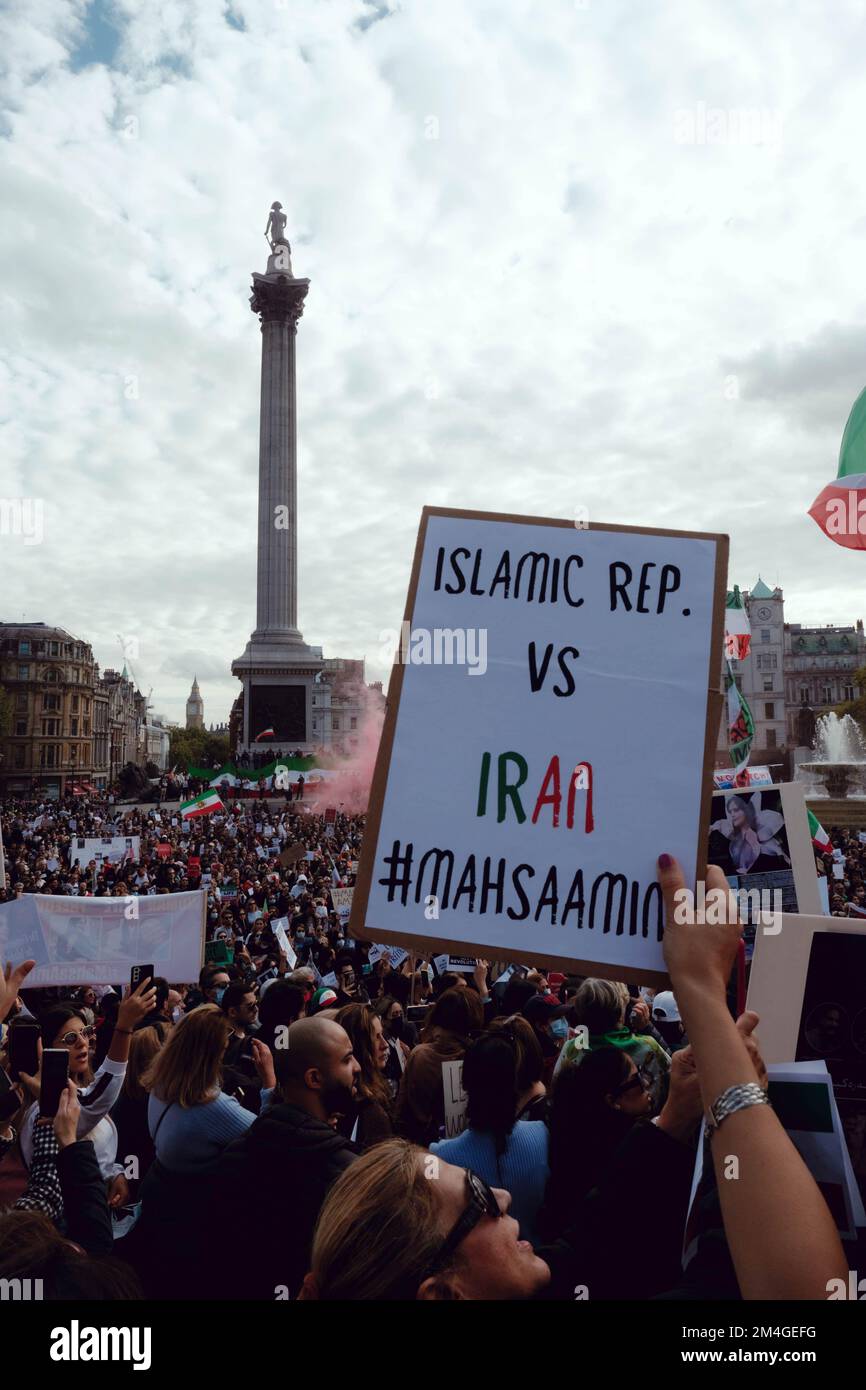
(482, 1202)
(638, 1082)
(70, 1039)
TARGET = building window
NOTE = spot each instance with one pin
(769, 710)
(847, 692)
(18, 757)
(21, 728)
(50, 728)
(827, 694)
(804, 694)
(353, 722)
(51, 702)
(771, 738)
(21, 700)
(335, 724)
(768, 682)
(23, 648)
(47, 755)
(24, 673)
(86, 727)
(74, 729)
(53, 649)
(75, 704)
(766, 635)
(767, 661)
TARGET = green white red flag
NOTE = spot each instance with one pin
(201, 805)
(840, 507)
(741, 725)
(820, 838)
(738, 632)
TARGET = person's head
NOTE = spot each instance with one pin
(364, 1028)
(213, 981)
(345, 972)
(188, 1068)
(281, 1004)
(518, 991)
(600, 1005)
(87, 997)
(65, 1026)
(160, 1003)
(490, 1082)
(529, 1059)
(401, 1225)
(741, 814)
(31, 1247)
(666, 1017)
(392, 1014)
(241, 1006)
(457, 1011)
(318, 1070)
(144, 1044)
(602, 1094)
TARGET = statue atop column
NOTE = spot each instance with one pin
(280, 258)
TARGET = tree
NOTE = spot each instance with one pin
(197, 748)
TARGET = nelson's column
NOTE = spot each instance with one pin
(278, 669)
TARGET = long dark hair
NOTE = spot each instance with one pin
(584, 1131)
(458, 1011)
(490, 1082)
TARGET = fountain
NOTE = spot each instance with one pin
(840, 759)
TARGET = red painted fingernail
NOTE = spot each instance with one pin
(665, 861)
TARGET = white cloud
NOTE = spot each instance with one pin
(527, 293)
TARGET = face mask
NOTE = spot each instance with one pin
(396, 1027)
(219, 995)
(559, 1030)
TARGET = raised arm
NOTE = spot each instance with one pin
(782, 1238)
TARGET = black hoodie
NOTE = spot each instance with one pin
(269, 1186)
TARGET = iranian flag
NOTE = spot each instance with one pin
(738, 633)
(266, 733)
(741, 726)
(201, 805)
(820, 838)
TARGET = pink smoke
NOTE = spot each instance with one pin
(350, 789)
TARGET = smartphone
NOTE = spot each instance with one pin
(416, 1013)
(425, 975)
(139, 973)
(23, 1050)
(10, 1101)
(55, 1074)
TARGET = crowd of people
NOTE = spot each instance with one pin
(288, 1126)
(844, 867)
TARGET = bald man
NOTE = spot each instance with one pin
(270, 1184)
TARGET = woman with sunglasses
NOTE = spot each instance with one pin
(593, 1109)
(401, 1224)
(65, 1026)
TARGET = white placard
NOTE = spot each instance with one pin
(550, 737)
(342, 900)
(109, 849)
(77, 940)
(456, 1099)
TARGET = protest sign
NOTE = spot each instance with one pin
(279, 927)
(109, 849)
(459, 965)
(342, 900)
(80, 939)
(597, 652)
(456, 1099)
(163, 849)
(292, 855)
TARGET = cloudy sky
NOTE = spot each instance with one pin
(605, 255)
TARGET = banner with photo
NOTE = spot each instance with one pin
(104, 849)
(761, 841)
(81, 940)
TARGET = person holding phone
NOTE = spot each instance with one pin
(64, 1026)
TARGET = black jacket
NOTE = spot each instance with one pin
(269, 1188)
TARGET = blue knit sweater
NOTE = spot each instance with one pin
(191, 1140)
(522, 1170)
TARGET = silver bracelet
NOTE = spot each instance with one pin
(733, 1099)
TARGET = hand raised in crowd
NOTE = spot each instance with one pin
(479, 975)
(66, 1120)
(699, 955)
(681, 1112)
(639, 1015)
(135, 1006)
(264, 1064)
(10, 983)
